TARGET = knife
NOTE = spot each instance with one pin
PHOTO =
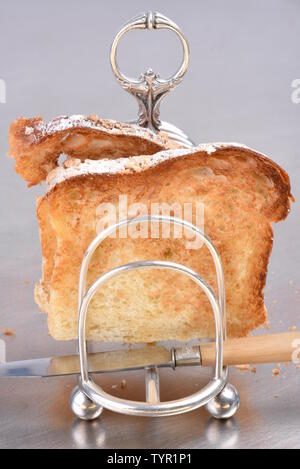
(271, 348)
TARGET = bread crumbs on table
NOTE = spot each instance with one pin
(275, 372)
(243, 367)
(8, 332)
(267, 325)
(253, 369)
(123, 384)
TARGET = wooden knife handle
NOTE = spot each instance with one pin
(271, 348)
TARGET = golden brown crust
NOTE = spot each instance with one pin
(36, 146)
(252, 172)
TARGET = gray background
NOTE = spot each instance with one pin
(54, 59)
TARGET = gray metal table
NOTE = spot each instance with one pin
(238, 89)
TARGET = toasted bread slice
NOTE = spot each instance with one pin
(241, 191)
(36, 146)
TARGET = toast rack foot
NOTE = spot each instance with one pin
(225, 404)
(83, 407)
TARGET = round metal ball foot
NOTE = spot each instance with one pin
(225, 404)
(83, 407)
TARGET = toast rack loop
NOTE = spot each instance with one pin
(150, 89)
(222, 400)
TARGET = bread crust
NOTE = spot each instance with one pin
(36, 145)
(243, 159)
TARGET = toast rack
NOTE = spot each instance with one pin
(220, 398)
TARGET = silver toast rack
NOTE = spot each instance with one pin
(220, 398)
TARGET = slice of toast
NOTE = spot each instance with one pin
(36, 146)
(241, 192)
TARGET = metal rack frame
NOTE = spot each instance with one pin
(89, 399)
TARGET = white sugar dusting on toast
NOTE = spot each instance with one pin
(63, 123)
(130, 164)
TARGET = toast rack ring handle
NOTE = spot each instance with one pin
(150, 20)
(149, 89)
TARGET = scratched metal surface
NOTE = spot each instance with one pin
(238, 89)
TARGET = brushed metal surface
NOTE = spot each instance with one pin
(242, 86)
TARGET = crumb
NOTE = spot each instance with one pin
(267, 325)
(123, 384)
(94, 117)
(275, 372)
(27, 282)
(291, 282)
(292, 328)
(253, 369)
(297, 366)
(114, 386)
(243, 367)
(8, 332)
(71, 162)
(278, 365)
(275, 302)
(275, 397)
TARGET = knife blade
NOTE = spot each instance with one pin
(101, 362)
